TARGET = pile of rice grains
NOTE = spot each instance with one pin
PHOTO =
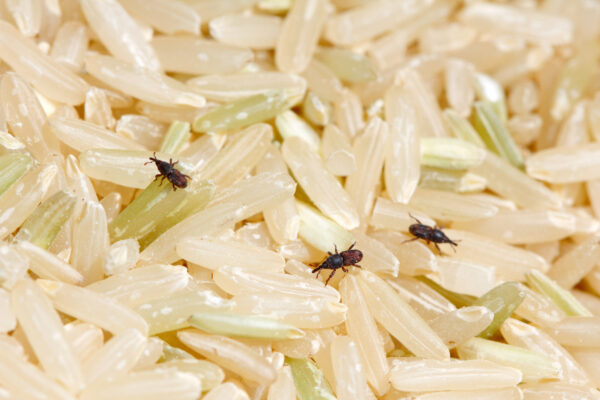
(307, 199)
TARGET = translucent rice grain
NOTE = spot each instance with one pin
(525, 128)
(459, 86)
(461, 128)
(446, 38)
(283, 388)
(316, 110)
(458, 326)
(46, 335)
(141, 285)
(121, 256)
(239, 202)
(213, 254)
(282, 220)
(369, 150)
(588, 359)
(350, 379)
(417, 258)
(376, 256)
(241, 153)
(322, 188)
(235, 280)
(253, 31)
(173, 312)
(227, 391)
(236, 86)
(8, 321)
(244, 112)
(533, 365)
(428, 303)
(450, 153)
(321, 80)
(70, 44)
(446, 205)
(47, 265)
(97, 108)
(520, 334)
(542, 391)
(48, 77)
(42, 226)
(511, 183)
(289, 124)
(362, 23)
(208, 373)
(397, 317)
(14, 371)
(150, 385)
(348, 113)
(141, 82)
(96, 308)
(337, 152)
(348, 65)
(27, 15)
(309, 380)
(304, 312)
(523, 226)
(489, 91)
(13, 266)
(389, 215)
(199, 56)
(465, 277)
(502, 300)
(247, 326)
(402, 160)
(151, 353)
(433, 375)
(299, 35)
(116, 358)
(511, 262)
(577, 331)
(84, 338)
(493, 132)
(231, 354)
(362, 329)
(321, 232)
(512, 393)
(12, 167)
(26, 117)
(209, 9)
(141, 129)
(574, 128)
(574, 265)
(22, 198)
(90, 233)
(523, 97)
(166, 16)
(566, 164)
(531, 25)
(562, 298)
(110, 21)
(82, 135)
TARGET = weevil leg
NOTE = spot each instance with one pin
(344, 269)
(415, 218)
(438, 248)
(329, 253)
(330, 276)
(410, 240)
(357, 266)
(335, 246)
(350, 248)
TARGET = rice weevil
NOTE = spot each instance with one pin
(429, 234)
(341, 260)
(167, 170)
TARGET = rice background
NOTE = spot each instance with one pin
(305, 126)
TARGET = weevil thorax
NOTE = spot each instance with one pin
(335, 261)
(163, 167)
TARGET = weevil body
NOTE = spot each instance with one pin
(346, 258)
(429, 234)
(168, 171)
